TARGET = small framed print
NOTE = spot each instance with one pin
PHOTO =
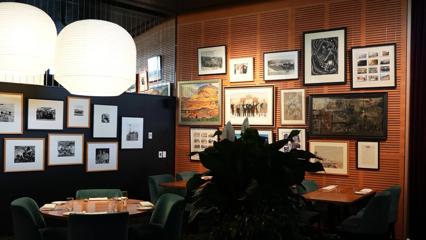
(161, 89)
(23, 154)
(65, 149)
(102, 156)
(131, 133)
(201, 138)
(78, 112)
(212, 60)
(105, 121)
(132, 88)
(299, 141)
(374, 66)
(265, 134)
(368, 155)
(325, 54)
(142, 82)
(154, 69)
(281, 65)
(241, 69)
(45, 114)
(11, 112)
(293, 107)
(334, 156)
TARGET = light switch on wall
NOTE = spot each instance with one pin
(149, 135)
(160, 154)
(164, 154)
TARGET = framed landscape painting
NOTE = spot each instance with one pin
(65, 149)
(11, 111)
(131, 133)
(281, 65)
(201, 138)
(154, 68)
(78, 112)
(212, 60)
(334, 156)
(23, 154)
(102, 156)
(241, 69)
(293, 107)
(162, 89)
(299, 141)
(368, 155)
(105, 121)
(45, 114)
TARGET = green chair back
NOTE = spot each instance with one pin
(93, 193)
(184, 175)
(155, 190)
(27, 219)
(395, 192)
(307, 186)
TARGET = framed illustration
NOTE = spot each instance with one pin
(265, 134)
(131, 133)
(368, 155)
(256, 103)
(65, 149)
(104, 121)
(142, 81)
(102, 156)
(154, 68)
(356, 115)
(299, 141)
(45, 114)
(334, 156)
(200, 102)
(241, 69)
(293, 107)
(11, 111)
(325, 57)
(162, 89)
(374, 66)
(78, 112)
(281, 65)
(201, 138)
(23, 154)
(212, 60)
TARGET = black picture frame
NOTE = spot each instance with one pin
(217, 51)
(364, 166)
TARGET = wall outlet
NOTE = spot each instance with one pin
(149, 135)
(164, 154)
(160, 154)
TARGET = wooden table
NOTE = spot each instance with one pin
(339, 195)
(176, 184)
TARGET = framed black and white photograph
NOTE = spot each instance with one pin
(299, 141)
(212, 60)
(65, 149)
(201, 138)
(102, 156)
(11, 111)
(265, 134)
(23, 154)
(161, 89)
(281, 65)
(374, 66)
(241, 69)
(293, 107)
(324, 54)
(333, 154)
(45, 114)
(78, 112)
(131, 133)
(368, 155)
(105, 121)
(154, 69)
(142, 82)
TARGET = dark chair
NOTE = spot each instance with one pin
(29, 224)
(184, 175)
(309, 215)
(395, 192)
(93, 193)
(98, 226)
(307, 186)
(155, 190)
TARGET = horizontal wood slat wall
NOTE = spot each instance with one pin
(250, 30)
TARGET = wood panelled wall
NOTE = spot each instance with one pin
(251, 30)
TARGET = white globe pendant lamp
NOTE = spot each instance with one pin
(95, 58)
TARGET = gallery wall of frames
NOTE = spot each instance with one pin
(335, 69)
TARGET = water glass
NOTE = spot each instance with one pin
(70, 202)
(125, 196)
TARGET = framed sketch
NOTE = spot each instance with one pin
(131, 133)
(65, 149)
(367, 155)
(200, 102)
(299, 141)
(105, 121)
(334, 156)
(293, 107)
(11, 111)
(45, 114)
(102, 156)
(212, 60)
(78, 112)
(23, 154)
(154, 68)
(325, 57)
(241, 69)
(256, 103)
(201, 138)
(374, 66)
(265, 134)
(162, 89)
(142, 81)
(281, 65)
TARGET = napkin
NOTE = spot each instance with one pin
(329, 188)
(364, 191)
(98, 199)
(146, 204)
(48, 206)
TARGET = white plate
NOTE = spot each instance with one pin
(59, 202)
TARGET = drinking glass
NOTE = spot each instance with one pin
(124, 195)
(70, 202)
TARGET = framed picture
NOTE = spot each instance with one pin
(65, 149)
(325, 57)
(23, 154)
(299, 141)
(154, 68)
(265, 134)
(11, 111)
(201, 138)
(162, 89)
(241, 69)
(78, 112)
(142, 81)
(45, 114)
(355, 115)
(102, 156)
(293, 107)
(132, 88)
(334, 156)
(212, 60)
(131, 133)
(256, 103)
(104, 121)
(200, 102)
(367, 155)
(281, 65)
(374, 66)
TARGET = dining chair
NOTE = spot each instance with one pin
(155, 190)
(395, 192)
(93, 193)
(29, 224)
(307, 186)
(309, 215)
(184, 175)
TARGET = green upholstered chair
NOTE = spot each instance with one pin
(93, 193)
(155, 190)
(29, 224)
(184, 175)
(307, 186)
(395, 192)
